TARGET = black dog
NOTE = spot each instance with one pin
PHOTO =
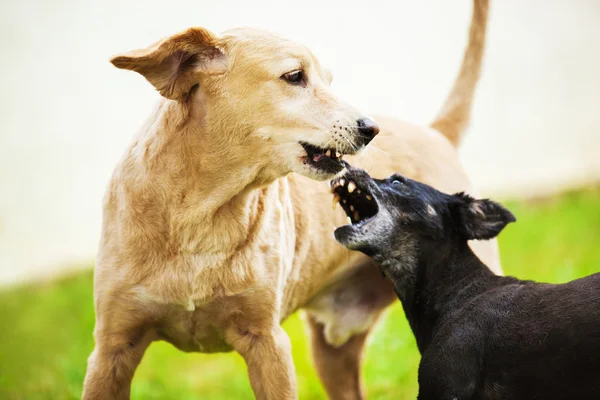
(481, 336)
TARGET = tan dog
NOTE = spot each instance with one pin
(214, 228)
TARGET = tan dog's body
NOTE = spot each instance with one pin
(209, 242)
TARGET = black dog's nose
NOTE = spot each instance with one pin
(368, 128)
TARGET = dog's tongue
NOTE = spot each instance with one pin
(318, 157)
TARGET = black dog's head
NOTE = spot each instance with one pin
(391, 217)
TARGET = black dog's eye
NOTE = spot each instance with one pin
(398, 180)
(294, 77)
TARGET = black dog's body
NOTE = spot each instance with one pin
(481, 336)
(488, 337)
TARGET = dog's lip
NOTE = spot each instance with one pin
(349, 234)
(357, 226)
(313, 150)
(327, 160)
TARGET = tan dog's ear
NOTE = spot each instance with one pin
(174, 65)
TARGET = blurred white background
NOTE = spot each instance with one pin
(67, 114)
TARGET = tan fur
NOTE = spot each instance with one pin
(215, 230)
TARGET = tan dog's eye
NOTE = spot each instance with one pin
(294, 77)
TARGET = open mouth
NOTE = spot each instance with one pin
(358, 203)
(326, 160)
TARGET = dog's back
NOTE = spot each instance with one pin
(536, 341)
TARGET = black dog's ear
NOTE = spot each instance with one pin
(479, 219)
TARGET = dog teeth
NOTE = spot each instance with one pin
(342, 182)
(358, 191)
(334, 201)
(351, 208)
(356, 216)
(328, 153)
(351, 187)
(369, 197)
(349, 220)
(338, 154)
(344, 201)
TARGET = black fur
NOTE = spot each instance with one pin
(481, 336)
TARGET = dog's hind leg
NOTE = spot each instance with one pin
(338, 367)
(339, 321)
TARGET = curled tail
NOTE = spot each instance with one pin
(455, 113)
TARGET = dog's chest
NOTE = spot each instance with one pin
(199, 295)
(198, 330)
(193, 300)
(193, 281)
(218, 274)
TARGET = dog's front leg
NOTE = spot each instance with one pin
(113, 362)
(268, 355)
(450, 368)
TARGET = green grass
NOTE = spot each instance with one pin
(45, 329)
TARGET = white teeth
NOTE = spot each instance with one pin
(338, 154)
(351, 208)
(358, 191)
(349, 220)
(334, 201)
(369, 197)
(344, 201)
(351, 187)
(342, 182)
(328, 153)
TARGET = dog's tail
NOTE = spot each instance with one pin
(455, 113)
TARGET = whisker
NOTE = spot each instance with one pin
(352, 145)
(378, 149)
(384, 135)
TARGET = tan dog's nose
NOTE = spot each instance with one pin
(367, 128)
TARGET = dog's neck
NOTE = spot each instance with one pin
(211, 188)
(436, 280)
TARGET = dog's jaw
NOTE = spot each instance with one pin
(314, 163)
(314, 154)
(358, 198)
(327, 161)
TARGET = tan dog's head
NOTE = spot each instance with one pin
(267, 96)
